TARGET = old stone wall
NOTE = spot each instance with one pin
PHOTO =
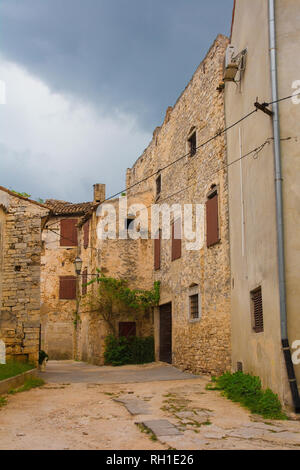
(127, 259)
(57, 315)
(202, 345)
(20, 257)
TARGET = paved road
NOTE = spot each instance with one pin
(80, 372)
(89, 407)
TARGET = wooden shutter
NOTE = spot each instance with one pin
(86, 231)
(84, 281)
(257, 310)
(176, 242)
(157, 250)
(67, 287)
(68, 232)
(212, 220)
(127, 329)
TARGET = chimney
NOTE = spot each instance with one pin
(99, 192)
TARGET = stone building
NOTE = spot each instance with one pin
(128, 259)
(21, 222)
(192, 323)
(264, 193)
(59, 283)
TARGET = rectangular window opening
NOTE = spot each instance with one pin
(194, 306)
(192, 140)
(257, 310)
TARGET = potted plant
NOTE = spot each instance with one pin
(43, 358)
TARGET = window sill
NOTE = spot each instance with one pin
(194, 320)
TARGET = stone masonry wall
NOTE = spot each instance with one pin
(204, 345)
(20, 255)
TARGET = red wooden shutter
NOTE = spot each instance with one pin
(68, 232)
(257, 310)
(212, 221)
(176, 242)
(127, 329)
(67, 287)
(84, 281)
(157, 248)
(86, 229)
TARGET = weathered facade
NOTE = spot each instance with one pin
(192, 324)
(126, 259)
(257, 305)
(21, 222)
(59, 283)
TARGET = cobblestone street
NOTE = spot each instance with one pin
(158, 408)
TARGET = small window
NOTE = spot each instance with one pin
(192, 141)
(212, 218)
(176, 240)
(157, 250)
(129, 223)
(257, 310)
(158, 185)
(194, 306)
(127, 329)
(68, 232)
(67, 287)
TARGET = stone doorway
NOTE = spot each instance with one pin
(165, 333)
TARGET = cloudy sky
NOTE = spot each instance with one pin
(87, 81)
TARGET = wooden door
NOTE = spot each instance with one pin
(165, 333)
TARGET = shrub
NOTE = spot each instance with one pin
(247, 390)
(121, 351)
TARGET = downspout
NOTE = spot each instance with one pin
(279, 212)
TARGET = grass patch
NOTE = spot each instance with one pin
(30, 382)
(13, 368)
(3, 401)
(246, 389)
(146, 430)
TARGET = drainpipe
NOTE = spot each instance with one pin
(279, 212)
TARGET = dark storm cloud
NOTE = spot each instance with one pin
(130, 55)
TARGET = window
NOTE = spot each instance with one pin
(127, 329)
(84, 282)
(194, 306)
(129, 223)
(176, 240)
(157, 249)
(86, 230)
(212, 218)
(158, 185)
(192, 142)
(194, 303)
(257, 310)
(68, 232)
(67, 287)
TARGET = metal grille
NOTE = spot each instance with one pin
(257, 310)
(194, 306)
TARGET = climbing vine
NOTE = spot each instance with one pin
(112, 298)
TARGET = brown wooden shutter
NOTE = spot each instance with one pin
(86, 230)
(176, 242)
(257, 310)
(68, 232)
(212, 220)
(67, 287)
(84, 281)
(157, 249)
(127, 329)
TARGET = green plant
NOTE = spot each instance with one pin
(42, 356)
(30, 382)
(3, 401)
(121, 351)
(13, 368)
(247, 390)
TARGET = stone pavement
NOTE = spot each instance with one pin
(81, 372)
(143, 407)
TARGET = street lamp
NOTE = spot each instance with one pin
(78, 265)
